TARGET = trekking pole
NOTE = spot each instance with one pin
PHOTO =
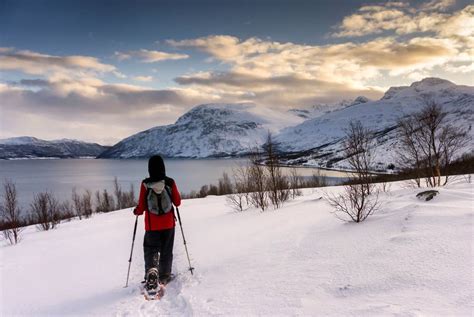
(184, 240)
(131, 251)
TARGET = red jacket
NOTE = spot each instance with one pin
(158, 222)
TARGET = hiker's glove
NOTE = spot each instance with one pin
(135, 211)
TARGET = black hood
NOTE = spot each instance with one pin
(156, 168)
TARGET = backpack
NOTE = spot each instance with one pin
(158, 198)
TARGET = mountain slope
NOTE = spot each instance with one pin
(324, 108)
(29, 147)
(206, 130)
(322, 136)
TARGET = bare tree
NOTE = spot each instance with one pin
(277, 183)
(66, 210)
(257, 181)
(118, 193)
(358, 199)
(239, 198)
(430, 144)
(353, 203)
(359, 152)
(129, 199)
(11, 219)
(315, 180)
(77, 203)
(409, 150)
(104, 201)
(45, 211)
(123, 199)
(295, 183)
(451, 139)
(203, 192)
(87, 203)
(225, 185)
(82, 204)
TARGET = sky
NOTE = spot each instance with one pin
(100, 71)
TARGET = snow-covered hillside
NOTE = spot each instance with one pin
(30, 147)
(318, 110)
(412, 258)
(206, 130)
(314, 133)
(323, 135)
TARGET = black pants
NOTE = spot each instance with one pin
(158, 250)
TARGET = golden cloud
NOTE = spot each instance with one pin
(147, 56)
(41, 64)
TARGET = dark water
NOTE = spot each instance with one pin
(61, 176)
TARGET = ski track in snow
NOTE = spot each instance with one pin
(412, 258)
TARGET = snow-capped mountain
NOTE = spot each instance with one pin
(324, 108)
(311, 136)
(30, 147)
(321, 137)
(206, 130)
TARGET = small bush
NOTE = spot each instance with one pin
(45, 211)
(12, 222)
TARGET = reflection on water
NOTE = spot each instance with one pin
(61, 176)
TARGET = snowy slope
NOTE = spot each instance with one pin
(30, 147)
(324, 133)
(318, 110)
(412, 258)
(206, 130)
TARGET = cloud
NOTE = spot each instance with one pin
(119, 74)
(402, 44)
(42, 64)
(143, 78)
(147, 56)
(435, 5)
(32, 106)
(283, 74)
(429, 17)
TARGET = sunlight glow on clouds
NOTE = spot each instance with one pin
(147, 56)
(34, 63)
(143, 78)
(388, 42)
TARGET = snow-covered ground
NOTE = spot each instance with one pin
(412, 258)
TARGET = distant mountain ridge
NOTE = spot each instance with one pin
(30, 147)
(321, 138)
(308, 136)
(204, 131)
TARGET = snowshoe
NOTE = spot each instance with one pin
(152, 288)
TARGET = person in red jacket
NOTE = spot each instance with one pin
(158, 194)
